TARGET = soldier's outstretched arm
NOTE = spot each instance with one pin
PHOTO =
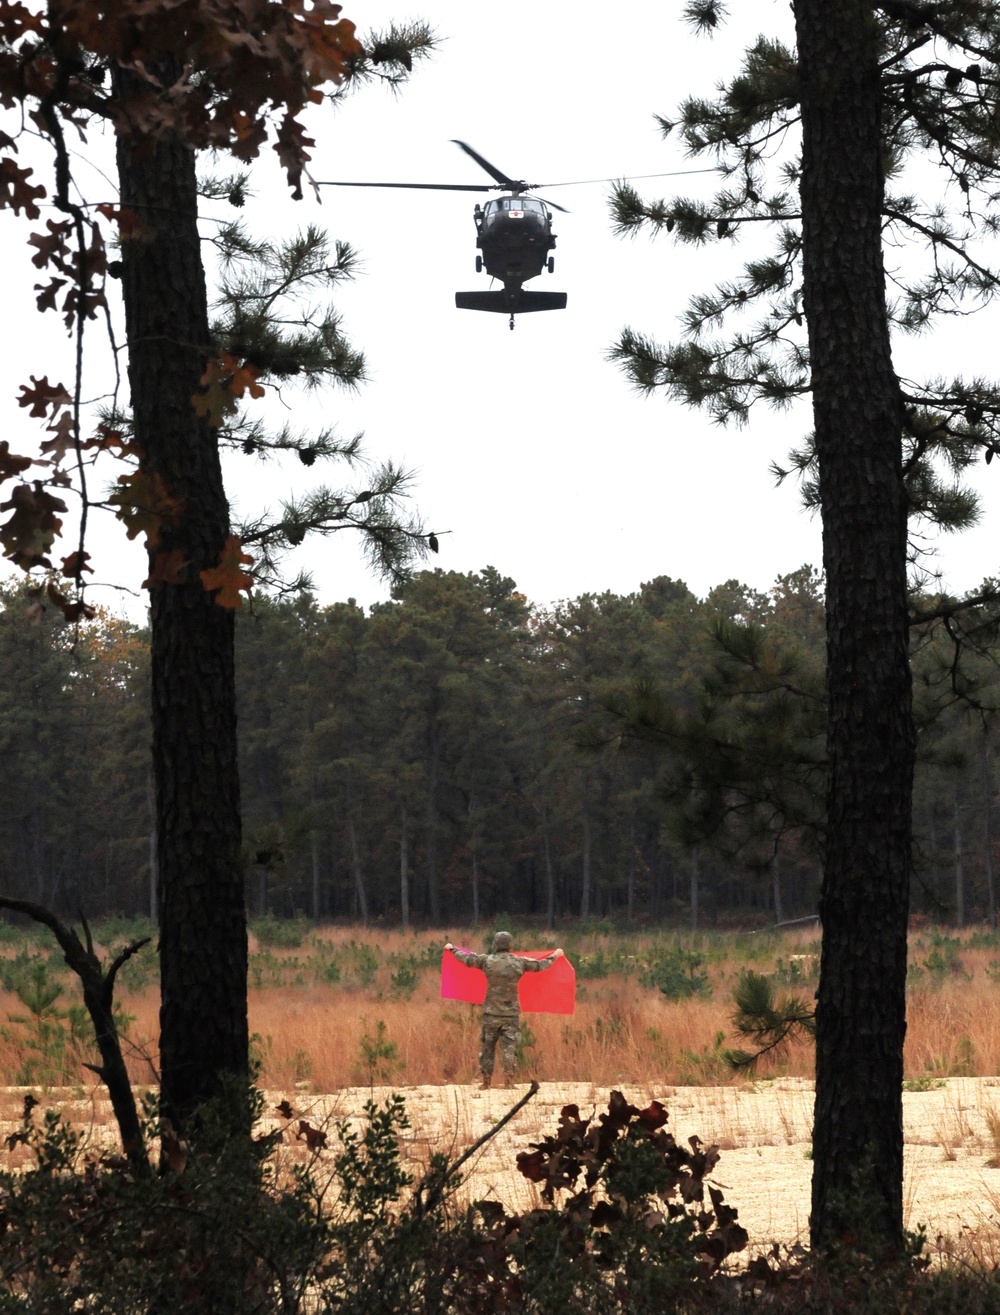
(539, 965)
(468, 957)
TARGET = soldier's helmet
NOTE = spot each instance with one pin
(502, 941)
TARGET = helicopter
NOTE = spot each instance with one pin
(514, 236)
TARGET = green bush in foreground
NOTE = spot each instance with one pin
(628, 1222)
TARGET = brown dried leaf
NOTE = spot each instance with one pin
(33, 526)
(10, 463)
(44, 397)
(315, 1138)
(228, 577)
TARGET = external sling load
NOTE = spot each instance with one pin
(550, 992)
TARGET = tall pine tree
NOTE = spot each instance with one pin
(170, 81)
(869, 86)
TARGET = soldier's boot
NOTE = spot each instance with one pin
(508, 1077)
(485, 1084)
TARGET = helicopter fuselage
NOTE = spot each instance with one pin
(514, 234)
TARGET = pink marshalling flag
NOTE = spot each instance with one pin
(550, 992)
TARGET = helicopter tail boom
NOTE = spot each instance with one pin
(504, 304)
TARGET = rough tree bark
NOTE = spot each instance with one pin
(202, 919)
(860, 1016)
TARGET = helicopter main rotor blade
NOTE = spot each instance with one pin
(424, 187)
(555, 205)
(515, 184)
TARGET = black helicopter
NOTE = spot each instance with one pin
(514, 235)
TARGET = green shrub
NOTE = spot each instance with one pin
(11, 934)
(326, 968)
(924, 1082)
(592, 967)
(50, 1041)
(15, 972)
(266, 968)
(379, 1057)
(111, 930)
(676, 973)
(365, 963)
(404, 979)
(279, 933)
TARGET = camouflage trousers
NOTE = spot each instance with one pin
(508, 1032)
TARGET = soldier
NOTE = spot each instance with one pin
(501, 1008)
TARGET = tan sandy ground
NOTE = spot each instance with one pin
(763, 1131)
(951, 1133)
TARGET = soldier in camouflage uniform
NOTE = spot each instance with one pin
(501, 1008)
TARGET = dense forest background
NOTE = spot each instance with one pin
(457, 754)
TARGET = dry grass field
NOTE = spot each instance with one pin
(625, 1029)
(346, 1014)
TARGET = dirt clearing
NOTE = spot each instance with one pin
(951, 1132)
(763, 1131)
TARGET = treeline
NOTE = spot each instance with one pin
(458, 754)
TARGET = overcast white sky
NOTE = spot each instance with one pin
(531, 452)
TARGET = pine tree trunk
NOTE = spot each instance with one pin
(317, 873)
(991, 899)
(404, 868)
(475, 866)
(475, 889)
(693, 889)
(861, 1020)
(959, 864)
(550, 884)
(433, 876)
(359, 876)
(202, 918)
(153, 861)
(585, 884)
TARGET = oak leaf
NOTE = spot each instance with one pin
(228, 577)
(167, 568)
(53, 248)
(109, 439)
(43, 397)
(130, 224)
(15, 190)
(47, 293)
(72, 609)
(75, 564)
(10, 463)
(173, 1149)
(65, 438)
(224, 380)
(33, 525)
(315, 1138)
(145, 504)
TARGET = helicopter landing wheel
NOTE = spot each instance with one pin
(551, 264)
(479, 264)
